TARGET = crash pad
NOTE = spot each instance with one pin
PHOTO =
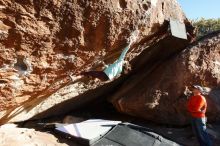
(178, 29)
(88, 130)
(123, 135)
(114, 133)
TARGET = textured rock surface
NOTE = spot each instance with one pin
(11, 135)
(41, 41)
(161, 95)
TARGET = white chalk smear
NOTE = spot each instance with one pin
(154, 2)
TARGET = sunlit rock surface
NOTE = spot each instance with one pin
(161, 95)
(43, 41)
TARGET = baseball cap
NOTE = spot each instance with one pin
(199, 88)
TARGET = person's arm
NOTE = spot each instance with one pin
(124, 52)
(104, 65)
(133, 37)
(203, 108)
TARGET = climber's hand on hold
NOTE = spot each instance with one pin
(127, 67)
(133, 37)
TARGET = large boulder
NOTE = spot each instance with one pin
(42, 41)
(161, 95)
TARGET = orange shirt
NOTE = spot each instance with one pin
(197, 106)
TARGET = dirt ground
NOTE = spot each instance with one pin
(181, 135)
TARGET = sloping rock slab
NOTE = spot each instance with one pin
(41, 42)
(160, 95)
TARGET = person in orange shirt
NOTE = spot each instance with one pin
(197, 106)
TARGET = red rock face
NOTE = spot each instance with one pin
(160, 96)
(42, 41)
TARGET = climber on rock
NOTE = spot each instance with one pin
(197, 108)
(110, 71)
(113, 70)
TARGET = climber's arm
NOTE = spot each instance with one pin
(124, 52)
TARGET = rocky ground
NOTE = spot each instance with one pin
(12, 135)
(180, 134)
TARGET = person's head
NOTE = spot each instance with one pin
(197, 90)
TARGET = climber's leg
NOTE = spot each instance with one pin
(96, 74)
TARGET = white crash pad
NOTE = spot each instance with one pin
(178, 29)
(89, 129)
